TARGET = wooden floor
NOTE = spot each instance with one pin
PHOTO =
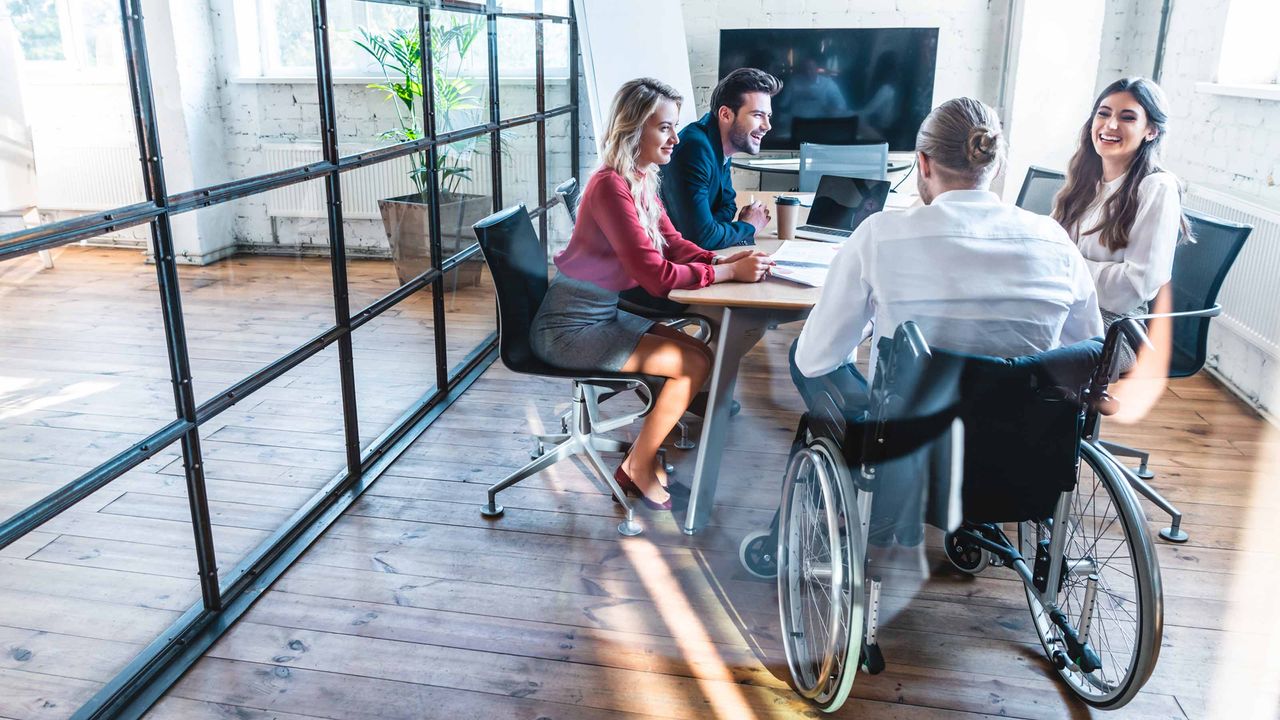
(84, 374)
(413, 606)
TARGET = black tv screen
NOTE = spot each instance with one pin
(841, 86)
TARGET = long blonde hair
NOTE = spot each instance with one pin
(635, 102)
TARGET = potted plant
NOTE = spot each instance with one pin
(398, 53)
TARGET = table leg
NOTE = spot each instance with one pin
(740, 329)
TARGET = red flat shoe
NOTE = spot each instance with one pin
(632, 490)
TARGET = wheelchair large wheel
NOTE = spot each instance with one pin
(821, 597)
(1109, 566)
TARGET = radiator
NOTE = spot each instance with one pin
(363, 187)
(1248, 307)
(94, 177)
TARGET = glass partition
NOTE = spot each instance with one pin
(222, 296)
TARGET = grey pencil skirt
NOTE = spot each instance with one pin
(579, 327)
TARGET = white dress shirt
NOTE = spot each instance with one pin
(977, 275)
(1130, 277)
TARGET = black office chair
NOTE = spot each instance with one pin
(519, 269)
(1038, 189)
(1199, 269)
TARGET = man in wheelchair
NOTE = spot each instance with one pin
(976, 275)
(996, 430)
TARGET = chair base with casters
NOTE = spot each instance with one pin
(585, 435)
(1137, 477)
(518, 264)
(1200, 266)
(1081, 549)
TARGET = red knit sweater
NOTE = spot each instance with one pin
(610, 248)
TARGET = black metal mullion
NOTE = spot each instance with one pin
(337, 241)
(495, 113)
(433, 200)
(540, 80)
(51, 235)
(574, 157)
(148, 132)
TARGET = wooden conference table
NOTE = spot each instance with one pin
(745, 311)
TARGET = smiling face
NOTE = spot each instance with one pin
(750, 123)
(658, 138)
(1120, 127)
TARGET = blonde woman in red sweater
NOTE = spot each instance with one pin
(623, 239)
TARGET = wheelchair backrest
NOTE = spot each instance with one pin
(1022, 418)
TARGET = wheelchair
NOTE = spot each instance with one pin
(1081, 545)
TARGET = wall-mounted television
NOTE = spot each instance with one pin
(841, 86)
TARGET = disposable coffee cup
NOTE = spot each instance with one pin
(787, 210)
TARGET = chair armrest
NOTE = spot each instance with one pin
(1208, 312)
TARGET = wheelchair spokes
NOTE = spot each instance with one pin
(1107, 587)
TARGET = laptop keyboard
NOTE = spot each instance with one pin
(825, 231)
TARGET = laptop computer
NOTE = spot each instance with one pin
(840, 206)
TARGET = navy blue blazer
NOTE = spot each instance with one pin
(697, 190)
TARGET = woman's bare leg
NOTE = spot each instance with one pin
(686, 366)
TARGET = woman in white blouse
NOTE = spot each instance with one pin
(1122, 209)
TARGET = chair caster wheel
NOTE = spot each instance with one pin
(667, 467)
(965, 556)
(757, 554)
(1174, 535)
(492, 510)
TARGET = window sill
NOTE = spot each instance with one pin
(1270, 91)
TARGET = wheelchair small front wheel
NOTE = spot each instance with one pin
(759, 554)
(821, 598)
(965, 556)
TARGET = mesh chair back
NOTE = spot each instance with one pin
(569, 193)
(1199, 268)
(518, 265)
(1038, 189)
(863, 161)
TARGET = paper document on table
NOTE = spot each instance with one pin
(803, 262)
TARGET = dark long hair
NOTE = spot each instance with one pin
(1085, 171)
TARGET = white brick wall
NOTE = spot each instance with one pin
(1230, 143)
(970, 42)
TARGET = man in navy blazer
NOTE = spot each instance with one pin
(697, 187)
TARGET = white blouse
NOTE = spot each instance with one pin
(976, 275)
(1129, 277)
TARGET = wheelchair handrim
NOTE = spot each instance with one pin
(842, 644)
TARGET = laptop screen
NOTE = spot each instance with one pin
(844, 202)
